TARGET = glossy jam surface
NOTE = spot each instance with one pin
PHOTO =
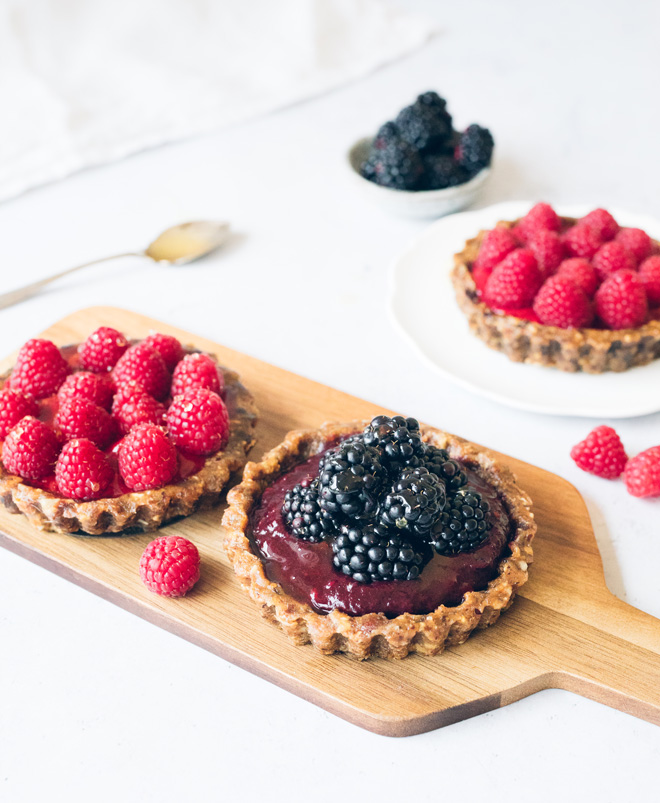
(188, 464)
(305, 571)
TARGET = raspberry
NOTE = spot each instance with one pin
(82, 471)
(612, 257)
(621, 301)
(140, 408)
(81, 418)
(495, 245)
(126, 393)
(97, 388)
(481, 276)
(514, 282)
(601, 453)
(197, 371)
(581, 273)
(168, 347)
(198, 421)
(147, 458)
(13, 407)
(642, 474)
(143, 366)
(548, 249)
(30, 449)
(562, 303)
(602, 223)
(40, 369)
(649, 273)
(518, 236)
(169, 566)
(637, 242)
(100, 352)
(581, 241)
(541, 217)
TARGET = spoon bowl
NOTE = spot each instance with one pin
(186, 242)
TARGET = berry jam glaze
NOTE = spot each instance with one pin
(305, 570)
(189, 464)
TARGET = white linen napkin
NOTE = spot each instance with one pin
(83, 82)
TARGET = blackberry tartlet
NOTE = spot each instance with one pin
(379, 538)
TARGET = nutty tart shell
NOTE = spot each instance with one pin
(141, 510)
(374, 634)
(593, 351)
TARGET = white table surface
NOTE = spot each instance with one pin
(96, 704)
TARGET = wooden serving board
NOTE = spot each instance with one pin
(565, 630)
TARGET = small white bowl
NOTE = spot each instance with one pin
(421, 204)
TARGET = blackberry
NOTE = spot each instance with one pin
(415, 501)
(463, 525)
(438, 462)
(433, 100)
(398, 438)
(393, 162)
(375, 553)
(442, 171)
(386, 134)
(303, 514)
(475, 149)
(425, 126)
(351, 477)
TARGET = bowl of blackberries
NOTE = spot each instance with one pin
(418, 165)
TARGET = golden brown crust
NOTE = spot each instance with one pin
(143, 510)
(590, 350)
(374, 634)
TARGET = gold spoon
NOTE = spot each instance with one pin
(177, 245)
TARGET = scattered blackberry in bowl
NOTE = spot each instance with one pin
(442, 171)
(421, 152)
(394, 163)
(474, 149)
(425, 126)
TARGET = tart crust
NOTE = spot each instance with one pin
(141, 510)
(374, 634)
(593, 351)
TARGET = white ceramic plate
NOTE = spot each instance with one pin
(424, 308)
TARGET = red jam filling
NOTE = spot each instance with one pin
(305, 571)
(189, 464)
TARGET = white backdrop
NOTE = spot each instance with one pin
(96, 704)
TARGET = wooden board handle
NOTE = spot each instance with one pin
(616, 662)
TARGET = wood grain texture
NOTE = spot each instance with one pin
(565, 629)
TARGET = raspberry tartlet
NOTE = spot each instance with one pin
(114, 436)
(379, 538)
(574, 294)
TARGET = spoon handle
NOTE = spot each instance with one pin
(28, 290)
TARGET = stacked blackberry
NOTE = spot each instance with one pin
(420, 150)
(385, 500)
